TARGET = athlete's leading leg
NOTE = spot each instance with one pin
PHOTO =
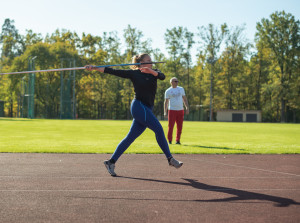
(135, 131)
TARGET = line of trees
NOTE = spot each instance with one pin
(264, 75)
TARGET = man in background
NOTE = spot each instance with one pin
(174, 100)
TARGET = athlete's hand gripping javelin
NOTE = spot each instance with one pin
(148, 71)
(91, 67)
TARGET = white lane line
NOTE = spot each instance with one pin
(53, 177)
(154, 178)
(245, 167)
(241, 189)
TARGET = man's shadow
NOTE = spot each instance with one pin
(213, 147)
(238, 195)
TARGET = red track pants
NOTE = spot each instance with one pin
(175, 116)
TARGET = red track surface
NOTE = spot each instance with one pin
(208, 188)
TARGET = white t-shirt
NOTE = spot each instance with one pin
(175, 98)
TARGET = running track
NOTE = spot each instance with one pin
(208, 188)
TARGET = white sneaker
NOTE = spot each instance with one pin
(175, 163)
(110, 167)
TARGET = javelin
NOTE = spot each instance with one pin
(77, 68)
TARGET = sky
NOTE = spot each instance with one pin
(152, 17)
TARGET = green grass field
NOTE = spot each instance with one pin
(102, 136)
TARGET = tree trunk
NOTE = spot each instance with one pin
(282, 110)
(11, 108)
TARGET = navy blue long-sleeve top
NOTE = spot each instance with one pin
(144, 84)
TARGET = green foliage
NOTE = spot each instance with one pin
(281, 34)
(259, 76)
(11, 40)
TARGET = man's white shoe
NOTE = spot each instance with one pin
(175, 163)
(110, 167)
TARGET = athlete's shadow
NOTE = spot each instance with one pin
(239, 195)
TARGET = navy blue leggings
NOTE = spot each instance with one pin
(142, 118)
